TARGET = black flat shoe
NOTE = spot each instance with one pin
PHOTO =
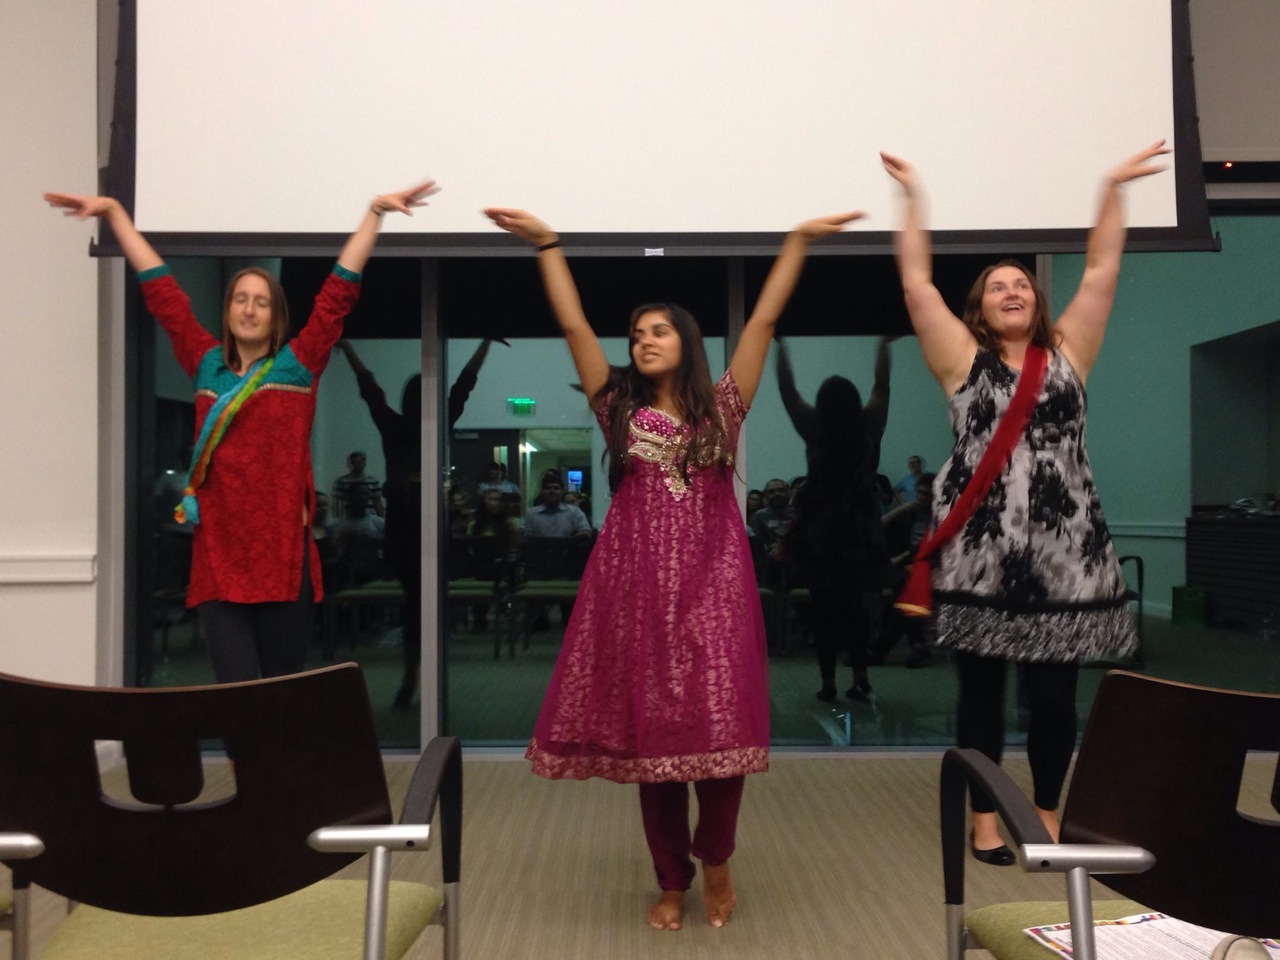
(860, 691)
(827, 693)
(1000, 856)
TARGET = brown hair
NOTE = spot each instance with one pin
(630, 390)
(279, 315)
(1042, 332)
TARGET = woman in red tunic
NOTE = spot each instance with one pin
(255, 573)
(663, 676)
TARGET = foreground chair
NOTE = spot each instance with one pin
(168, 868)
(1151, 812)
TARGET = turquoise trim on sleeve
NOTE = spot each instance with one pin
(154, 272)
(340, 271)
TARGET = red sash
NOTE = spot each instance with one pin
(916, 598)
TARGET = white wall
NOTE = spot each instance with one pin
(48, 369)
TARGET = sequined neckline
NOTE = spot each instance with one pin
(666, 416)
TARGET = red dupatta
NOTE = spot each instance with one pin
(916, 598)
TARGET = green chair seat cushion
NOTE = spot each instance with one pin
(374, 590)
(547, 589)
(999, 927)
(471, 590)
(323, 921)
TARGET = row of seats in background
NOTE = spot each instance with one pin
(509, 589)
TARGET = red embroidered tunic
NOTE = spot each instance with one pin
(248, 546)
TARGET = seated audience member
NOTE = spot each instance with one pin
(492, 520)
(755, 500)
(356, 494)
(460, 510)
(906, 487)
(495, 478)
(557, 519)
(358, 526)
(553, 517)
(772, 520)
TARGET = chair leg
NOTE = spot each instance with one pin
(1080, 905)
(21, 923)
(375, 919)
(452, 920)
(955, 931)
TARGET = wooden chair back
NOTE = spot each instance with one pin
(1160, 766)
(305, 754)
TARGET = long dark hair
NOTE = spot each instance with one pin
(630, 390)
(1042, 332)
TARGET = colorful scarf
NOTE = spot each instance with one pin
(916, 598)
(215, 426)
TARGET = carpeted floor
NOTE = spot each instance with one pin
(837, 859)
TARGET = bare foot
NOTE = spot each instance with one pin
(1050, 820)
(717, 893)
(666, 913)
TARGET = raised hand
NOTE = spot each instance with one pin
(821, 227)
(901, 171)
(405, 200)
(521, 223)
(1139, 165)
(75, 205)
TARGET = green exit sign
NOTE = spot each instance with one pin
(521, 406)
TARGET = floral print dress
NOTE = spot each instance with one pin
(1033, 576)
(663, 674)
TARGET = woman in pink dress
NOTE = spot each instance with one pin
(663, 676)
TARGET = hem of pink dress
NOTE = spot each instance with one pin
(686, 768)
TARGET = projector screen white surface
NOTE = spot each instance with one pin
(660, 117)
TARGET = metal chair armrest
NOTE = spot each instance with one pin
(20, 846)
(1093, 857)
(363, 839)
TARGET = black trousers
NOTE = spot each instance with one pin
(248, 641)
(841, 623)
(1051, 733)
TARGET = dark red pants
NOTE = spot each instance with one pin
(665, 810)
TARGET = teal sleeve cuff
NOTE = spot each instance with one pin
(340, 271)
(154, 272)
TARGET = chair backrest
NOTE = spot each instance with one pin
(305, 754)
(1160, 766)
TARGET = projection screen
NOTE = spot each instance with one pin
(692, 126)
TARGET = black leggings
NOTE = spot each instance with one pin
(841, 622)
(252, 640)
(1051, 733)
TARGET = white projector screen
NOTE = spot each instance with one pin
(645, 120)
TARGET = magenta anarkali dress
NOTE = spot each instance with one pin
(664, 674)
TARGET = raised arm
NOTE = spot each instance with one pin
(753, 345)
(947, 344)
(876, 409)
(133, 244)
(353, 358)
(562, 293)
(1084, 322)
(355, 253)
(801, 413)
